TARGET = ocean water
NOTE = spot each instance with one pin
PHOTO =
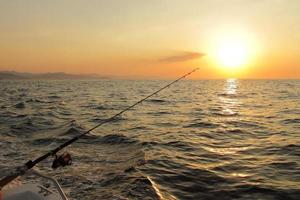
(214, 139)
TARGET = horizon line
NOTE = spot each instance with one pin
(127, 77)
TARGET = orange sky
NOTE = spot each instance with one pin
(149, 39)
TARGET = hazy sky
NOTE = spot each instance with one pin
(149, 38)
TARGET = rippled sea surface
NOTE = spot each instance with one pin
(218, 139)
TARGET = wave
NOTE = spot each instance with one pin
(286, 165)
(225, 114)
(201, 125)
(182, 146)
(189, 182)
(117, 139)
(159, 113)
(291, 121)
(26, 126)
(143, 128)
(35, 100)
(137, 186)
(261, 192)
(207, 145)
(290, 149)
(54, 97)
(102, 108)
(72, 131)
(157, 101)
(111, 139)
(227, 94)
(20, 105)
(244, 123)
(21, 116)
(46, 141)
(116, 119)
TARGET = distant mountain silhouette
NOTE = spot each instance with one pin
(12, 75)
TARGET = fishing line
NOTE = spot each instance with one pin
(30, 164)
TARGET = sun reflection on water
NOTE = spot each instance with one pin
(231, 86)
(229, 105)
(229, 102)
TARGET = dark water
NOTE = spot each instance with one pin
(230, 139)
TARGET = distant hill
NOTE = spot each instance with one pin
(11, 75)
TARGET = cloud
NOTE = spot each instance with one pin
(185, 56)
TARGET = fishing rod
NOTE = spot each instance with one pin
(65, 159)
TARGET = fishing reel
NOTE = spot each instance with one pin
(62, 160)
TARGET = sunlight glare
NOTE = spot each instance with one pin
(232, 54)
(233, 50)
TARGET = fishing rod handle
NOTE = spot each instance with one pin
(6, 180)
(19, 172)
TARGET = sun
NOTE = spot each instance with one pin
(232, 53)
